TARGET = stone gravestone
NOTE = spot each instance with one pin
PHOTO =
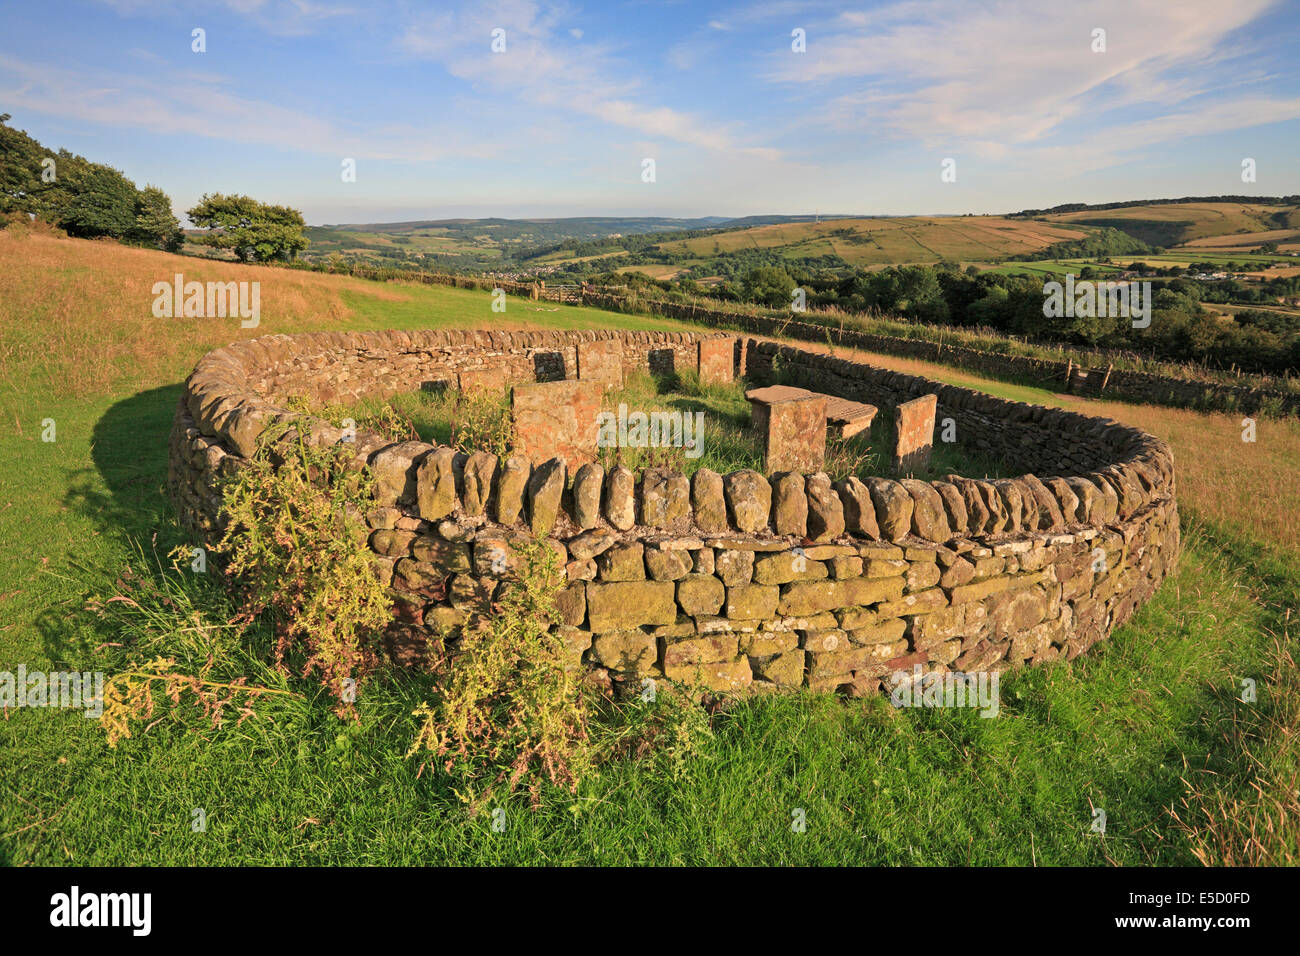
(556, 420)
(716, 360)
(792, 422)
(914, 428)
(601, 361)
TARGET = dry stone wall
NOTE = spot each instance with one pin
(744, 581)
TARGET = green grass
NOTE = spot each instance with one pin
(1119, 729)
(725, 442)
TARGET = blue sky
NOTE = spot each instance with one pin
(737, 122)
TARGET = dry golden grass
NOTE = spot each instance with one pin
(76, 317)
(79, 314)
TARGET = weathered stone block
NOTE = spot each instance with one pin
(436, 484)
(859, 510)
(929, 517)
(707, 499)
(394, 468)
(812, 597)
(624, 562)
(782, 567)
(512, 483)
(785, 669)
(722, 676)
(734, 567)
(668, 565)
(480, 470)
(752, 602)
(629, 652)
(601, 362)
(700, 650)
(700, 595)
(794, 433)
(556, 420)
(545, 489)
(893, 508)
(825, 510)
(620, 498)
(587, 486)
(749, 500)
(618, 605)
(790, 504)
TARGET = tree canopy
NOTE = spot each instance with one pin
(252, 230)
(85, 199)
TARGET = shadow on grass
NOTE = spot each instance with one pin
(124, 497)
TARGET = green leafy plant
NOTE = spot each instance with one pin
(296, 545)
(514, 713)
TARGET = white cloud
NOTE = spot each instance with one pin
(185, 107)
(993, 76)
(541, 68)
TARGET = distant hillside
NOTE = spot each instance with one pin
(864, 242)
(1203, 224)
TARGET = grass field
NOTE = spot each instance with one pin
(1176, 223)
(867, 242)
(1149, 726)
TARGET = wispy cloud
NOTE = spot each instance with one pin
(187, 107)
(543, 66)
(995, 76)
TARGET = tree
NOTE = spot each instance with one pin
(248, 228)
(768, 285)
(155, 225)
(20, 162)
(102, 204)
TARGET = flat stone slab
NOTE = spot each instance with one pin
(846, 418)
(771, 394)
(556, 420)
(601, 361)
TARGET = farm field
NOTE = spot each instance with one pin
(1149, 725)
(1177, 223)
(1050, 267)
(868, 242)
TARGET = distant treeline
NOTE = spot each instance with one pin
(1181, 329)
(85, 199)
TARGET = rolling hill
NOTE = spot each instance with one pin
(869, 242)
(1198, 224)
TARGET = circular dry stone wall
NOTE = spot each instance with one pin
(741, 581)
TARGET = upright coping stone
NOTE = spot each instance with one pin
(716, 360)
(914, 427)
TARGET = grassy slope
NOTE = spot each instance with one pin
(1174, 223)
(889, 241)
(1141, 727)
